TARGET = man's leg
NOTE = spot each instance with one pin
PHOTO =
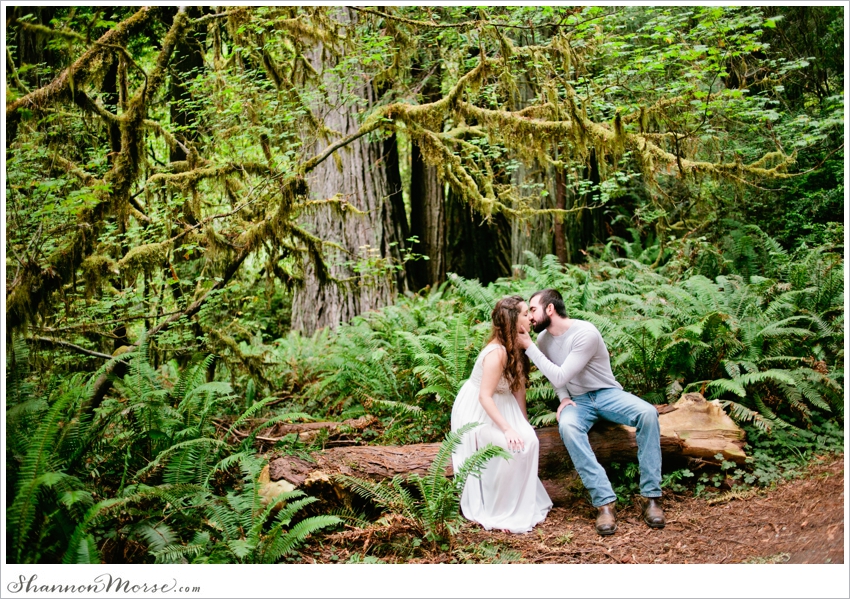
(574, 423)
(621, 407)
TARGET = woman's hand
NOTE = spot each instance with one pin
(515, 442)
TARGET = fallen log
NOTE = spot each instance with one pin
(307, 431)
(692, 428)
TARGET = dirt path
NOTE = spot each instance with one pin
(801, 521)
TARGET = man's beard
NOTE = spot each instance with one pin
(543, 324)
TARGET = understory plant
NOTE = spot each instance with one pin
(146, 476)
(431, 503)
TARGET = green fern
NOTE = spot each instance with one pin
(435, 507)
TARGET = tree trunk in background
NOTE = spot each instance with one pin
(188, 61)
(365, 173)
(534, 233)
(394, 214)
(559, 231)
(427, 221)
(427, 209)
(587, 227)
(476, 249)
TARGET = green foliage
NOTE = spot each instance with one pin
(238, 528)
(143, 471)
(431, 503)
(660, 104)
(785, 453)
(763, 336)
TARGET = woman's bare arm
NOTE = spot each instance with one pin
(494, 365)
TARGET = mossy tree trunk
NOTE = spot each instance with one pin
(585, 227)
(427, 207)
(365, 175)
(476, 248)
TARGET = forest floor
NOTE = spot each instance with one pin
(798, 521)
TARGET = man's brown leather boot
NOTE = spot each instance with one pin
(606, 519)
(653, 515)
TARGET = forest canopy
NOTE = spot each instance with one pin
(157, 154)
(264, 195)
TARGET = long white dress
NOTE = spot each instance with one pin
(509, 495)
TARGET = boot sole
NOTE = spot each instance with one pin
(654, 525)
(606, 533)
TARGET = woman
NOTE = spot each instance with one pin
(508, 495)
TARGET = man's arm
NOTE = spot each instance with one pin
(584, 348)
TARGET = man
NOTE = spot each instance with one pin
(572, 355)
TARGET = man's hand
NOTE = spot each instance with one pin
(566, 402)
(523, 338)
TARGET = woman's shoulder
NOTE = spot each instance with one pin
(490, 348)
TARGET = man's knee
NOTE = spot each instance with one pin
(570, 427)
(648, 412)
(647, 416)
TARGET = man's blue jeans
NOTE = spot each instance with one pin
(623, 408)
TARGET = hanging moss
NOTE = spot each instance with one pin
(144, 258)
(95, 268)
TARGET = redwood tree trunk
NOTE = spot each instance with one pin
(476, 248)
(360, 173)
(427, 208)
(587, 227)
(559, 230)
(427, 221)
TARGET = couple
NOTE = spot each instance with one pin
(572, 355)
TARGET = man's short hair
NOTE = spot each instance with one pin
(551, 296)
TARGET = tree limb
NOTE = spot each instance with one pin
(84, 67)
(68, 345)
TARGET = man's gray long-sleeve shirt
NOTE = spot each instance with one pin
(576, 361)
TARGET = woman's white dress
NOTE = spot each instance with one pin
(509, 495)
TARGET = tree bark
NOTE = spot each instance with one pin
(584, 228)
(693, 428)
(559, 231)
(427, 208)
(476, 248)
(358, 173)
(427, 221)
(533, 233)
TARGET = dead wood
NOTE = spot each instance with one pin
(691, 428)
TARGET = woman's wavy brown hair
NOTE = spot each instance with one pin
(504, 331)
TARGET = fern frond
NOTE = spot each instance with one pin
(727, 386)
(82, 550)
(475, 464)
(398, 406)
(177, 554)
(741, 413)
(545, 419)
(175, 449)
(37, 461)
(157, 536)
(296, 536)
